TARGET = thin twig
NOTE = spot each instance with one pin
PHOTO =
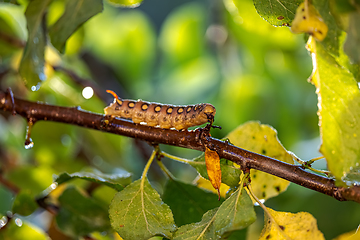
(13, 188)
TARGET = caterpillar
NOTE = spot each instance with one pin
(163, 115)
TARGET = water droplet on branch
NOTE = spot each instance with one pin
(28, 141)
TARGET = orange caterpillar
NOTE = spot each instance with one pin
(162, 115)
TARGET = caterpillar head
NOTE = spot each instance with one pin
(206, 113)
(110, 110)
(113, 108)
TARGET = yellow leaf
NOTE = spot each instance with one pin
(206, 184)
(261, 138)
(212, 161)
(308, 20)
(117, 237)
(55, 194)
(353, 235)
(296, 226)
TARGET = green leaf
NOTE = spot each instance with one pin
(339, 112)
(236, 212)
(76, 13)
(24, 203)
(117, 180)
(345, 60)
(12, 22)
(261, 138)
(126, 3)
(277, 12)
(32, 63)
(230, 173)
(7, 199)
(104, 195)
(344, 6)
(353, 176)
(22, 230)
(34, 179)
(188, 202)
(137, 212)
(352, 43)
(331, 43)
(80, 215)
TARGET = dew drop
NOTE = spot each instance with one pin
(29, 143)
(66, 140)
(18, 222)
(35, 87)
(35, 59)
(53, 185)
(36, 40)
(97, 161)
(42, 76)
(257, 204)
(3, 221)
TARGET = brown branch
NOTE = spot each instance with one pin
(197, 140)
(12, 187)
(12, 40)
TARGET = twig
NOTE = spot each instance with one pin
(196, 139)
(13, 188)
(12, 40)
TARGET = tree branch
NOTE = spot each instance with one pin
(196, 139)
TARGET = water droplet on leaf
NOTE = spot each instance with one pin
(18, 222)
(3, 221)
(42, 76)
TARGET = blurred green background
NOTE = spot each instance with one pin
(178, 52)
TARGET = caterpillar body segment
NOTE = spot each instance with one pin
(162, 115)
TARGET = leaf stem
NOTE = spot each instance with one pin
(179, 159)
(142, 185)
(307, 164)
(311, 161)
(147, 166)
(165, 170)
